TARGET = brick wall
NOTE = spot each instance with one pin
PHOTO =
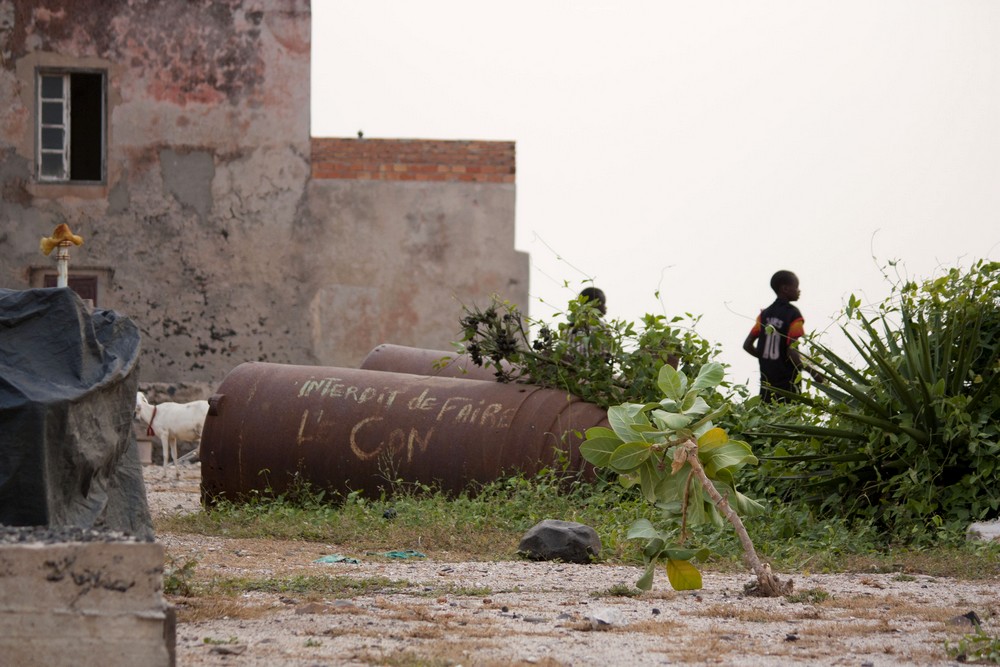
(414, 160)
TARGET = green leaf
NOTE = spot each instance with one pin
(624, 417)
(648, 480)
(628, 480)
(629, 456)
(731, 455)
(713, 438)
(710, 376)
(600, 432)
(698, 407)
(598, 451)
(683, 575)
(709, 418)
(671, 383)
(696, 504)
(745, 506)
(687, 554)
(646, 580)
(671, 420)
(642, 529)
(653, 549)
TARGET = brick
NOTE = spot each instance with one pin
(490, 161)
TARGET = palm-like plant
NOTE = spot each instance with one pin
(912, 435)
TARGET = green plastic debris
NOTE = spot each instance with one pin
(409, 553)
(337, 558)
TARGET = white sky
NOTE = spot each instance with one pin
(695, 147)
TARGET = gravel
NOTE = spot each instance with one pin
(436, 611)
(45, 535)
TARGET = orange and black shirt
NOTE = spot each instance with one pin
(776, 329)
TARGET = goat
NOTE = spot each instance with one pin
(171, 422)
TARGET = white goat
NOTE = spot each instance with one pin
(171, 422)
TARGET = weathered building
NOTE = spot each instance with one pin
(174, 137)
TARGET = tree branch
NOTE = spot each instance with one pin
(768, 584)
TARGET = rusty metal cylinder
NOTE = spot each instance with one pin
(270, 425)
(420, 361)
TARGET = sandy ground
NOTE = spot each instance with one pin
(434, 612)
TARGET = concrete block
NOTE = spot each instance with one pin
(87, 604)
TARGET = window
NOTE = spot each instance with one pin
(70, 126)
(89, 282)
(84, 286)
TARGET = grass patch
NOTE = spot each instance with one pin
(808, 596)
(469, 591)
(485, 523)
(220, 642)
(337, 587)
(618, 591)
(488, 522)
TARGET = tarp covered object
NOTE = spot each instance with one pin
(68, 381)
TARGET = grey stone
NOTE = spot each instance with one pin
(567, 541)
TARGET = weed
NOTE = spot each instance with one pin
(976, 648)
(808, 596)
(219, 642)
(618, 590)
(177, 579)
(470, 591)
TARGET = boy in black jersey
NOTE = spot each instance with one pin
(773, 339)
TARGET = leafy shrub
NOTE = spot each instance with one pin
(685, 466)
(603, 362)
(910, 438)
(979, 648)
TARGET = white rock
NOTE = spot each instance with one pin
(606, 616)
(984, 530)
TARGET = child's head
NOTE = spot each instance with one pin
(786, 285)
(595, 296)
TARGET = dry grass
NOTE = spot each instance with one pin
(210, 608)
(446, 653)
(864, 606)
(665, 628)
(751, 614)
(697, 646)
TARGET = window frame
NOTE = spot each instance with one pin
(65, 176)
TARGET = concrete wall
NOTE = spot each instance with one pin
(210, 230)
(434, 249)
(437, 218)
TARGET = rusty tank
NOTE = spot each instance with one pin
(270, 426)
(421, 361)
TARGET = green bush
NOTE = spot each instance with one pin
(605, 362)
(909, 437)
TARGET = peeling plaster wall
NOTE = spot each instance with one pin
(209, 230)
(199, 220)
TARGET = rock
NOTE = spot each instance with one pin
(561, 540)
(970, 619)
(604, 617)
(986, 531)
